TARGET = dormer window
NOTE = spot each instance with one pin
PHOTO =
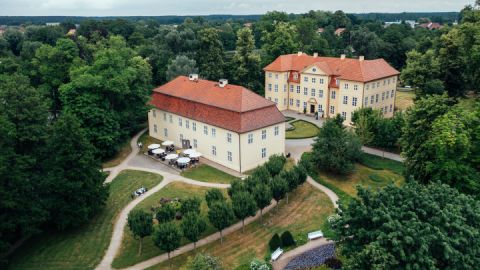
(295, 76)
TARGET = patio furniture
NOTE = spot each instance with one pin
(276, 254)
(158, 151)
(171, 156)
(189, 151)
(167, 143)
(153, 146)
(195, 155)
(315, 235)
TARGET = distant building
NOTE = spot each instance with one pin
(52, 24)
(72, 32)
(328, 86)
(387, 24)
(248, 25)
(320, 30)
(339, 31)
(412, 23)
(430, 26)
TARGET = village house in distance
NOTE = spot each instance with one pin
(330, 86)
(228, 124)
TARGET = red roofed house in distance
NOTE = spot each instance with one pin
(330, 86)
(228, 124)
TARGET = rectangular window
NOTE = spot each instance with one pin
(154, 113)
(179, 122)
(355, 87)
(229, 156)
(321, 80)
(314, 80)
(269, 74)
(187, 124)
(291, 88)
(214, 132)
(386, 108)
(346, 86)
(383, 95)
(381, 110)
(387, 94)
(305, 91)
(391, 107)
(165, 117)
(276, 87)
(264, 134)
(291, 102)
(392, 94)
(165, 132)
(378, 84)
(333, 94)
(304, 105)
(250, 138)
(276, 76)
(376, 98)
(195, 145)
(332, 109)
(305, 79)
(320, 93)
(298, 103)
(276, 130)
(194, 126)
(284, 88)
(276, 100)
(214, 150)
(320, 108)
(345, 100)
(229, 137)
(269, 87)
(298, 89)
(388, 81)
(205, 130)
(181, 138)
(354, 101)
(170, 118)
(155, 128)
(264, 152)
(366, 101)
(371, 99)
(313, 92)
(384, 82)
(344, 115)
(373, 85)
(367, 86)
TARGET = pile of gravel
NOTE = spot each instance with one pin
(312, 258)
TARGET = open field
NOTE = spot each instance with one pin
(84, 247)
(128, 254)
(404, 99)
(306, 211)
(303, 129)
(207, 173)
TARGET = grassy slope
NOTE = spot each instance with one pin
(207, 173)
(404, 99)
(128, 255)
(84, 247)
(303, 129)
(306, 211)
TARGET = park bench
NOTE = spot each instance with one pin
(315, 235)
(276, 254)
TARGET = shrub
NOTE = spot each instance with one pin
(275, 242)
(190, 205)
(333, 263)
(287, 239)
(257, 264)
(275, 164)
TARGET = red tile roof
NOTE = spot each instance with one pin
(232, 107)
(345, 69)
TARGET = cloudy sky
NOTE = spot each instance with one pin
(205, 7)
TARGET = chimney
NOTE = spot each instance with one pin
(222, 82)
(299, 53)
(193, 77)
(342, 56)
(315, 55)
(361, 58)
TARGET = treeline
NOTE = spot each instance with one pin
(440, 17)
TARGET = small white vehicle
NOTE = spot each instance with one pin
(139, 191)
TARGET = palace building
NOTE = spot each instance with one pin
(228, 124)
(330, 86)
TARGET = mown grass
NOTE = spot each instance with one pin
(84, 247)
(302, 129)
(306, 211)
(128, 254)
(380, 163)
(207, 173)
(146, 140)
(404, 99)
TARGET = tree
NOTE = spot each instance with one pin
(282, 40)
(221, 216)
(247, 62)
(291, 177)
(279, 188)
(141, 225)
(262, 174)
(167, 236)
(243, 204)
(210, 54)
(190, 205)
(263, 196)
(394, 222)
(236, 186)
(165, 213)
(181, 65)
(213, 195)
(287, 239)
(307, 31)
(336, 149)
(452, 63)
(193, 225)
(14, 40)
(75, 182)
(275, 242)
(423, 72)
(204, 262)
(366, 43)
(275, 164)
(365, 121)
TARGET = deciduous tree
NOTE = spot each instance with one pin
(243, 204)
(221, 216)
(193, 225)
(167, 236)
(141, 225)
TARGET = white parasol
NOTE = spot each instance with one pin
(167, 143)
(153, 146)
(171, 156)
(158, 151)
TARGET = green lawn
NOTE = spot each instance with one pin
(128, 254)
(302, 129)
(306, 211)
(379, 163)
(207, 173)
(146, 140)
(84, 247)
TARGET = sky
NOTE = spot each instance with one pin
(206, 7)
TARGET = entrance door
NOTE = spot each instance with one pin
(312, 108)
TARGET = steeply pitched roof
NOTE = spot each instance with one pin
(232, 107)
(346, 69)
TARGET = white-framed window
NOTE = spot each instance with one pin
(276, 130)
(391, 107)
(264, 134)
(269, 87)
(291, 102)
(250, 138)
(305, 91)
(321, 80)
(276, 87)
(285, 76)
(336, 82)
(269, 74)
(229, 137)
(367, 86)
(381, 110)
(295, 76)
(284, 88)
(304, 105)
(165, 132)
(332, 109)
(386, 108)
(373, 85)
(355, 87)
(194, 126)
(187, 124)
(366, 101)
(354, 101)
(214, 150)
(165, 117)
(305, 79)
(392, 93)
(313, 92)
(376, 98)
(344, 115)
(229, 156)
(388, 81)
(314, 80)
(155, 128)
(320, 93)
(384, 82)
(346, 86)
(205, 130)
(154, 113)
(170, 118)
(298, 89)
(394, 79)
(345, 100)
(276, 76)
(179, 121)
(181, 138)
(333, 94)
(264, 152)
(195, 143)
(298, 103)
(276, 100)
(383, 95)
(387, 94)
(371, 99)
(291, 88)
(214, 132)
(378, 84)
(320, 107)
